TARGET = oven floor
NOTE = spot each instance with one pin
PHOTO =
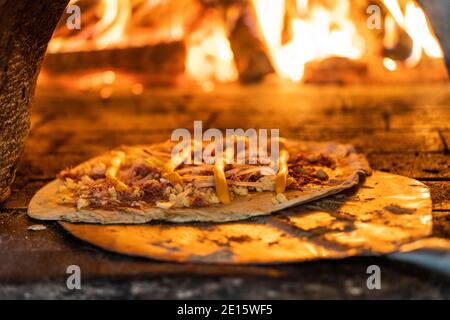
(403, 130)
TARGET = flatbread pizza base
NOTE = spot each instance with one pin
(353, 167)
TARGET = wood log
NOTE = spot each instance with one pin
(438, 12)
(336, 70)
(26, 28)
(160, 63)
(249, 53)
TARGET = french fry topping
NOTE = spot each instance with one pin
(221, 183)
(111, 171)
(281, 178)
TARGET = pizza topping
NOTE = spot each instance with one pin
(322, 175)
(221, 182)
(196, 170)
(170, 174)
(281, 178)
(279, 198)
(111, 172)
(141, 170)
(127, 196)
(153, 191)
(82, 203)
(164, 205)
(199, 200)
(98, 171)
(147, 176)
(241, 191)
(307, 159)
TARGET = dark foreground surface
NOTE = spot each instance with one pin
(404, 130)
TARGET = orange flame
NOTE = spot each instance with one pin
(209, 55)
(324, 33)
(108, 31)
(111, 28)
(295, 33)
(414, 22)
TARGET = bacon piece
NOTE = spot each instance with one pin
(153, 191)
(141, 170)
(129, 196)
(304, 159)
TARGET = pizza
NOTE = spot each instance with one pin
(138, 184)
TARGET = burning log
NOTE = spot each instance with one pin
(161, 63)
(336, 70)
(26, 29)
(249, 53)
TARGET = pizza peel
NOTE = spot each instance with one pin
(387, 213)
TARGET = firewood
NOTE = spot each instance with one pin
(162, 63)
(335, 70)
(249, 54)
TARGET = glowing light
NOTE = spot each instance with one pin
(137, 89)
(390, 64)
(414, 22)
(106, 93)
(325, 33)
(294, 32)
(109, 77)
(391, 36)
(111, 28)
(209, 55)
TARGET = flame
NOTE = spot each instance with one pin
(390, 64)
(118, 25)
(111, 27)
(209, 55)
(108, 31)
(322, 34)
(391, 36)
(294, 32)
(414, 22)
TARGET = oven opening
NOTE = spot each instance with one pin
(130, 45)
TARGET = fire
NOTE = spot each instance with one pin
(118, 24)
(210, 56)
(414, 22)
(108, 31)
(111, 28)
(294, 33)
(390, 64)
(317, 33)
